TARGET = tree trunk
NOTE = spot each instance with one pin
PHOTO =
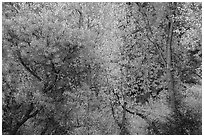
(170, 78)
(123, 128)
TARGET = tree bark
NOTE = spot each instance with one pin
(170, 78)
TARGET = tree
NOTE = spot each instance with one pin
(101, 68)
(39, 46)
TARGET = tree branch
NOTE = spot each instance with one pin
(25, 118)
(197, 75)
(151, 123)
(26, 67)
(113, 113)
(158, 48)
(150, 30)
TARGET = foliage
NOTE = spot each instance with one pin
(100, 68)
